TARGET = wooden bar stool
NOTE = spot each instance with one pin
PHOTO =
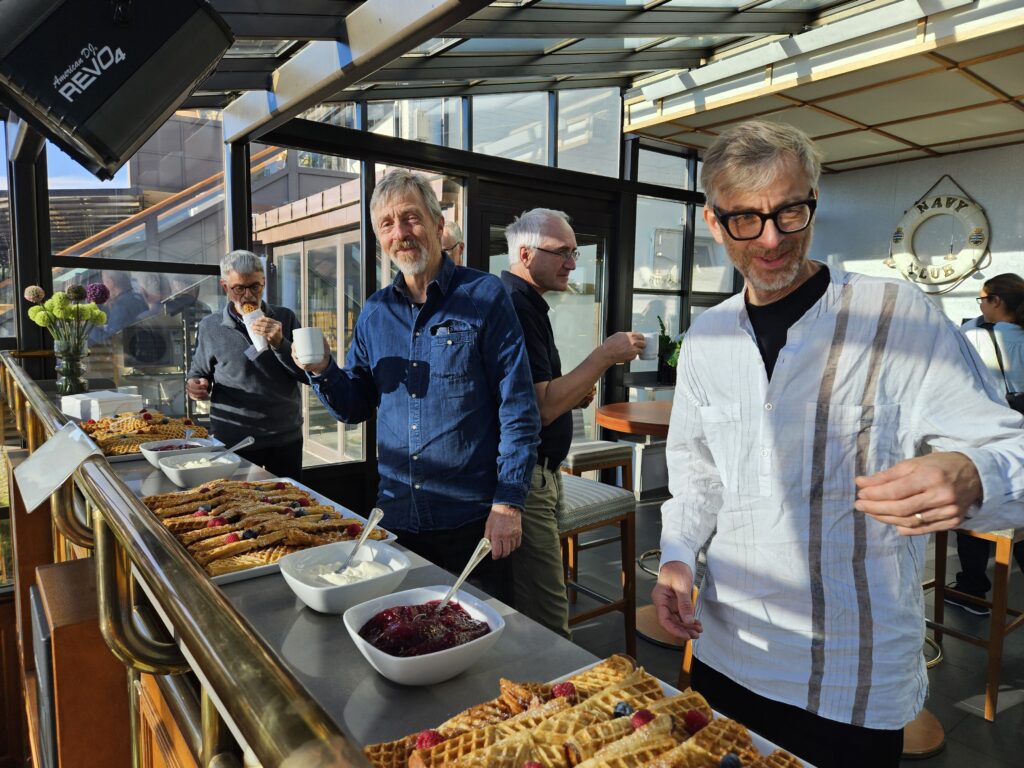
(586, 455)
(589, 505)
(999, 627)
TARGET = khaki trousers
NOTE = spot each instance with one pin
(538, 579)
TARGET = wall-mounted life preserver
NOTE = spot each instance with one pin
(956, 265)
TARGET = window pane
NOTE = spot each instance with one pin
(513, 125)
(588, 130)
(647, 308)
(658, 254)
(712, 270)
(435, 121)
(663, 169)
(166, 204)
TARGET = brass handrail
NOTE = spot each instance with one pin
(274, 714)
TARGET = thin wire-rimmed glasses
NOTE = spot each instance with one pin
(573, 254)
(748, 225)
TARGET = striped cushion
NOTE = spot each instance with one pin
(587, 502)
(584, 453)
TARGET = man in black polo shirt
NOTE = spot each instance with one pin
(542, 252)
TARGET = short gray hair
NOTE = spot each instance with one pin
(398, 183)
(525, 230)
(748, 157)
(454, 230)
(242, 262)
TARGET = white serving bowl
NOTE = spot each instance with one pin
(221, 465)
(325, 597)
(429, 668)
(153, 455)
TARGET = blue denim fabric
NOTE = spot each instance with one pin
(457, 419)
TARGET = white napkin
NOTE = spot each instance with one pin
(260, 342)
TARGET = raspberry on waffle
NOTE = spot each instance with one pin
(680, 704)
(454, 748)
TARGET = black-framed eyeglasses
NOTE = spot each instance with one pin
(983, 299)
(573, 254)
(241, 290)
(748, 225)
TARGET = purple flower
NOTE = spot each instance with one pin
(97, 293)
(34, 294)
(75, 292)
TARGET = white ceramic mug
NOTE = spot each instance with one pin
(650, 347)
(308, 344)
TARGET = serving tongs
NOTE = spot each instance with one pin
(482, 550)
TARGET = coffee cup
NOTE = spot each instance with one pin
(650, 351)
(308, 344)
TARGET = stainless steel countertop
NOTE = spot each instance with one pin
(316, 647)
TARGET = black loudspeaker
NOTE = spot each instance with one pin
(98, 77)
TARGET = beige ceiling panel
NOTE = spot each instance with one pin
(982, 46)
(811, 121)
(739, 111)
(961, 126)
(857, 145)
(865, 162)
(1006, 74)
(661, 130)
(883, 73)
(994, 141)
(920, 96)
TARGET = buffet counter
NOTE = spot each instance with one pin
(280, 677)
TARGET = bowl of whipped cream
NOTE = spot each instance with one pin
(191, 469)
(377, 569)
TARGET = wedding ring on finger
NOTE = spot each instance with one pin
(920, 517)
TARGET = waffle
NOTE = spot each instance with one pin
(247, 308)
(390, 754)
(602, 675)
(686, 755)
(521, 696)
(508, 753)
(587, 742)
(248, 560)
(680, 704)
(450, 750)
(637, 748)
(123, 433)
(638, 690)
(780, 758)
(558, 729)
(488, 713)
(548, 755)
(527, 721)
(722, 736)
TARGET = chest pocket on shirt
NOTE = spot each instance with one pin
(722, 430)
(452, 359)
(842, 441)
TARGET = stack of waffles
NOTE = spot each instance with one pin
(232, 525)
(123, 433)
(612, 715)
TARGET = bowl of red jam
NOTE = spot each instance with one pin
(407, 639)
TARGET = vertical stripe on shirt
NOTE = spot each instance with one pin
(814, 542)
(865, 651)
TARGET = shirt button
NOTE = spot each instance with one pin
(449, 342)
(416, 486)
(413, 395)
(765, 451)
(414, 426)
(417, 333)
(768, 406)
(415, 457)
(415, 364)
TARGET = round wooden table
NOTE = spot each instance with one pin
(648, 418)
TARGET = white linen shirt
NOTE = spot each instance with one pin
(807, 601)
(1010, 337)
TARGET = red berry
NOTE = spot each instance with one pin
(186, 421)
(199, 513)
(568, 690)
(354, 529)
(695, 720)
(279, 486)
(641, 718)
(231, 538)
(265, 499)
(304, 502)
(147, 416)
(214, 522)
(532, 764)
(142, 410)
(427, 739)
(91, 421)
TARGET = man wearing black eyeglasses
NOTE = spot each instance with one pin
(806, 454)
(251, 391)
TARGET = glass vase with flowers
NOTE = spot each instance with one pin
(69, 315)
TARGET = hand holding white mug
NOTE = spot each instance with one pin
(319, 365)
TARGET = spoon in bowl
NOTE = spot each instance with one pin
(245, 442)
(482, 550)
(375, 517)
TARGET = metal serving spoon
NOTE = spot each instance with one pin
(245, 442)
(375, 517)
(482, 550)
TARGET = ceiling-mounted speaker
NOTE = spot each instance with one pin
(98, 77)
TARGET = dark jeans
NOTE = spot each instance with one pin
(974, 554)
(821, 742)
(281, 460)
(451, 550)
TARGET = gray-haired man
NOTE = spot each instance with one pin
(250, 392)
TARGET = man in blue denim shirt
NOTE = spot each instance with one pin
(440, 354)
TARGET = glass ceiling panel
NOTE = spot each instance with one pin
(610, 44)
(508, 45)
(432, 46)
(605, 3)
(697, 41)
(257, 49)
(797, 5)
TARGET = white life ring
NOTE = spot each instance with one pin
(956, 265)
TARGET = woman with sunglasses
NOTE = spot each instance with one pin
(1002, 309)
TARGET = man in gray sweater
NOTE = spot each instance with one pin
(250, 392)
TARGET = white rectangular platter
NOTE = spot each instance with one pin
(764, 746)
(262, 570)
